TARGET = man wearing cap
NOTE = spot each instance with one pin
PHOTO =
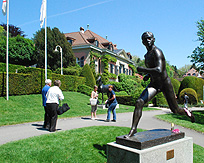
(45, 89)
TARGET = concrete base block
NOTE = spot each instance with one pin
(178, 151)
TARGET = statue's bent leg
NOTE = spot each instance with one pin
(136, 117)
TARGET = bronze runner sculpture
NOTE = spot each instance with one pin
(159, 82)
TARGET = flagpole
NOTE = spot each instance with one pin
(7, 54)
(45, 39)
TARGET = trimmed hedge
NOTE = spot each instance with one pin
(176, 84)
(191, 93)
(85, 89)
(69, 71)
(69, 82)
(194, 83)
(88, 74)
(38, 77)
(19, 84)
(126, 100)
(12, 67)
(34, 80)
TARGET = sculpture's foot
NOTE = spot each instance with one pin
(131, 133)
(189, 114)
(185, 111)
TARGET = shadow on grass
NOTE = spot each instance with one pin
(102, 149)
(199, 117)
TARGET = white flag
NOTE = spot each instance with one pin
(4, 7)
(42, 13)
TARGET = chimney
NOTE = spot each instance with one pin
(87, 26)
(81, 29)
(106, 37)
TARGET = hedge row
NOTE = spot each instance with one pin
(12, 67)
(33, 81)
(126, 100)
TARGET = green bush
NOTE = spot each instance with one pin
(176, 84)
(87, 73)
(126, 100)
(85, 89)
(191, 93)
(38, 77)
(19, 84)
(194, 83)
(75, 70)
(121, 93)
(159, 100)
(69, 82)
(32, 80)
(12, 67)
(118, 85)
(105, 97)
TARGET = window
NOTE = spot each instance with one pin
(130, 72)
(116, 70)
(96, 43)
(80, 62)
(70, 41)
(120, 69)
(111, 68)
(123, 69)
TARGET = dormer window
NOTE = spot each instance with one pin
(70, 41)
(96, 43)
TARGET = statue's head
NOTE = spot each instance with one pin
(148, 39)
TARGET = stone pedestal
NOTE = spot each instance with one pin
(176, 151)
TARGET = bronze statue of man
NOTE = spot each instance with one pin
(159, 82)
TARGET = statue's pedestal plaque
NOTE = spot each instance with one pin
(146, 147)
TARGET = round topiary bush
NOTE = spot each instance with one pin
(194, 83)
(193, 99)
(88, 74)
(176, 84)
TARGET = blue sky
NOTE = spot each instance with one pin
(173, 22)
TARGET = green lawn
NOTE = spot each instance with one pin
(28, 108)
(78, 146)
(184, 121)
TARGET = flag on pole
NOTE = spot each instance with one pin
(4, 7)
(42, 13)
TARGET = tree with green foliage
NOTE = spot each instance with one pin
(88, 74)
(54, 38)
(21, 50)
(197, 57)
(13, 30)
(184, 69)
(2, 31)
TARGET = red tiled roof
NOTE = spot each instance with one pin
(88, 37)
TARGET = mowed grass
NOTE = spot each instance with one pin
(28, 108)
(84, 145)
(184, 121)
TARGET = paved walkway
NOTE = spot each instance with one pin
(148, 122)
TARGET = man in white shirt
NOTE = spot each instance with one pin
(54, 94)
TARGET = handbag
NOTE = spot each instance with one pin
(62, 109)
(93, 101)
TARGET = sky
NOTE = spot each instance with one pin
(173, 22)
